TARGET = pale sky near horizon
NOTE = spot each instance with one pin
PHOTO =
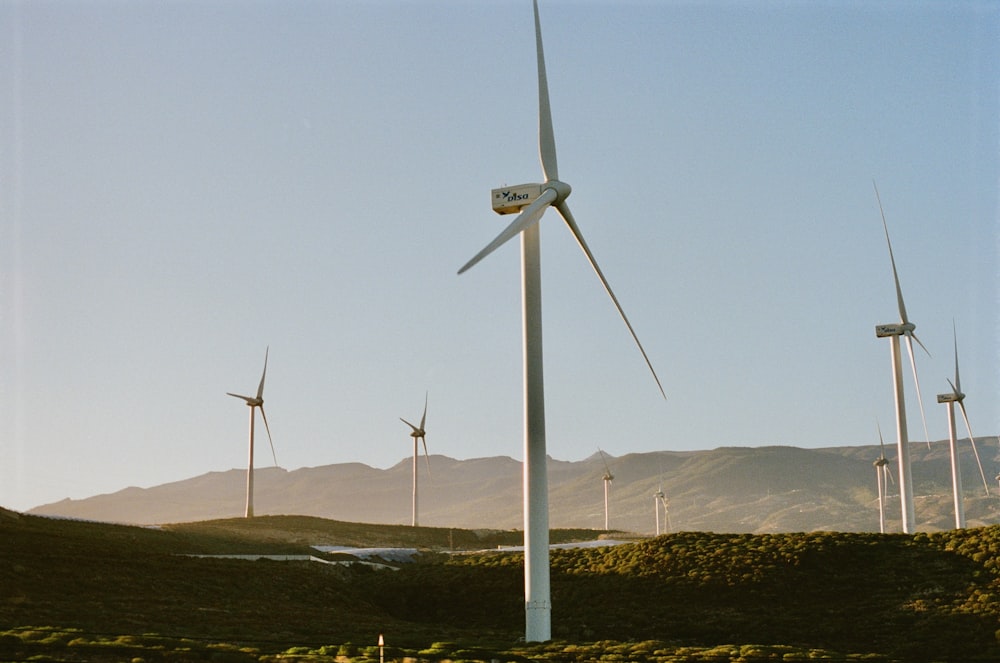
(183, 184)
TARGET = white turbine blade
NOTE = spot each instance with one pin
(892, 259)
(916, 382)
(415, 429)
(546, 137)
(423, 419)
(260, 388)
(248, 399)
(972, 441)
(268, 429)
(568, 217)
(958, 381)
(426, 456)
(531, 214)
(881, 442)
(607, 469)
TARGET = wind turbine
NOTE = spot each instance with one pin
(882, 474)
(660, 500)
(418, 433)
(894, 330)
(607, 478)
(956, 396)
(531, 201)
(256, 402)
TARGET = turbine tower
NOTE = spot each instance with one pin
(418, 433)
(894, 330)
(607, 478)
(255, 402)
(531, 201)
(956, 396)
(882, 474)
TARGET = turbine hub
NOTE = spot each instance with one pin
(561, 188)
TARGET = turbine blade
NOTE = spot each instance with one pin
(423, 419)
(954, 389)
(972, 441)
(415, 429)
(426, 456)
(914, 337)
(268, 429)
(546, 137)
(248, 399)
(260, 388)
(531, 214)
(881, 442)
(958, 381)
(892, 259)
(568, 218)
(916, 382)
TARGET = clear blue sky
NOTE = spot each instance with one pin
(185, 183)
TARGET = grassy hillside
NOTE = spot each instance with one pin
(87, 591)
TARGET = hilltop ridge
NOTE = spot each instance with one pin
(728, 489)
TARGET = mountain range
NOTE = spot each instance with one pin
(728, 489)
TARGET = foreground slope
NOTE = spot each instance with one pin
(926, 597)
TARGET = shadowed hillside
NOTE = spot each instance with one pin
(730, 489)
(74, 591)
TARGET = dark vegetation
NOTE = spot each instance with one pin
(85, 591)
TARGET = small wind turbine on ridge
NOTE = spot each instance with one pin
(418, 433)
(530, 201)
(882, 474)
(956, 396)
(894, 330)
(255, 402)
(607, 478)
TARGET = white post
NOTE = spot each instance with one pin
(902, 440)
(415, 455)
(879, 470)
(956, 471)
(249, 511)
(537, 603)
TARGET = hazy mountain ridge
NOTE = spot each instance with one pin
(728, 489)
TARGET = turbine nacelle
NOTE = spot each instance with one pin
(894, 329)
(250, 401)
(953, 397)
(513, 199)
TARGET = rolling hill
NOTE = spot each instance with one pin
(729, 489)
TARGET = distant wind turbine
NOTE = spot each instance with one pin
(531, 201)
(894, 330)
(660, 501)
(256, 402)
(882, 474)
(956, 396)
(418, 433)
(607, 478)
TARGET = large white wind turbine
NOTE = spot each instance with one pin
(531, 201)
(418, 433)
(607, 479)
(882, 474)
(956, 396)
(256, 402)
(894, 330)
